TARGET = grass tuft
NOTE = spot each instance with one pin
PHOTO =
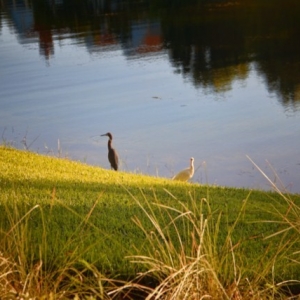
(189, 257)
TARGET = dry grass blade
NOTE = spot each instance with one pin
(274, 186)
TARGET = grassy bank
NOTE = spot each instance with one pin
(62, 221)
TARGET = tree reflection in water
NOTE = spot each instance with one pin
(211, 42)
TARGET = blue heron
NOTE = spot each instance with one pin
(186, 174)
(112, 153)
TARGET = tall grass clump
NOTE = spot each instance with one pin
(193, 253)
(29, 271)
(287, 217)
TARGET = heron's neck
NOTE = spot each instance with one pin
(109, 144)
(192, 166)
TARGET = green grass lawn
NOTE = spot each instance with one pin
(55, 209)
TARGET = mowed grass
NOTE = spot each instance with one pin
(55, 211)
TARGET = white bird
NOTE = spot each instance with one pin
(186, 174)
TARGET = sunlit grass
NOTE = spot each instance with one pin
(72, 230)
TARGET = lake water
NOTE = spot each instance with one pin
(217, 82)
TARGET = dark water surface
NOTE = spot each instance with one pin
(214, 81)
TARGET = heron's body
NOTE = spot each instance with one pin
(112, 153)
(187, 173)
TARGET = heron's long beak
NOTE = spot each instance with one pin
(103, 134)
